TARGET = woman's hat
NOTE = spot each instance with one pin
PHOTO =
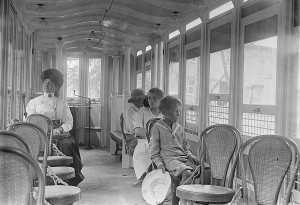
(137, 94)
(156, 186)
(55, 75)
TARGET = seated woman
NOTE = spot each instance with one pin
(59, 112)
(141, 157)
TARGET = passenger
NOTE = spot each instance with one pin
(59, 112)
(137, 98)
(169, 148)
(141, 157)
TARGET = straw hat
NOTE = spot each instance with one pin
(137, 93)
(156, 186)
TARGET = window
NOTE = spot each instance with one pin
(219, 74)
(72, 76)
(219, 78)
(148, 78)
(260, 59)
(148, 48)
(259, 77)
(192, 85)
(94, 76)
(174, 34)
(221, 9)
(192, 24)
(139, 80)
(174, 70)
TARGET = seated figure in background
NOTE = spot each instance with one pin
(59, 112)
(141, 157)
(136, 100)
(169, 148)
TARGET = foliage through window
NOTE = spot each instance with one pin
(94, 81)
(72, 76)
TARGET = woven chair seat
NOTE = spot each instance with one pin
(205, 193)
(61, 194)
(57, 160)
(64, 173)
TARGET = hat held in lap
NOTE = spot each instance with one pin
(156, 186)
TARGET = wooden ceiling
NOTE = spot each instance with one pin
(134, 22)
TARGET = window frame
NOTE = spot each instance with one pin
(257, 109)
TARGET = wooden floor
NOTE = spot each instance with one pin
(105, 182)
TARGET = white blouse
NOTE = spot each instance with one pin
(49, 106)
(143, 116)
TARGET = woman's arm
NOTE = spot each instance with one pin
(30, 108)
(67, 118)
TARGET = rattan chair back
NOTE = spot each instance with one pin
(8, 138)
(269, 159)
(43, 122)
(149, 126)
(219, 148)
(35, 137)
(16, 177)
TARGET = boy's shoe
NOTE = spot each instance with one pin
(137, 184)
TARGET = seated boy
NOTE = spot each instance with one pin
(169, 148)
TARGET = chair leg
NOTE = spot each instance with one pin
(175, 199)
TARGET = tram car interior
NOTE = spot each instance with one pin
(136, 102)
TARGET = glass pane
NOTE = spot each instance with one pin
(221, 9)
(193, 36)
(139, 80)
(72, 76)
(219, 78)
(174, 70)
(148, 80)
(94, 86)
(260, 54)
(192, 76)
(257, 6)
(139, 63)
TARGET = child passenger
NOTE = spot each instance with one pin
(169, 148)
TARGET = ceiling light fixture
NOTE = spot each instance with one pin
(158, 28)
(43, 22)
(40, 9)
(174, 17)
(92, 35)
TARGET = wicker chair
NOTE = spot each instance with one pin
(269, 158)
(33, 134)
(54, 194)
(46, 124)
(220, 146)
(149, 126)
(16, 187)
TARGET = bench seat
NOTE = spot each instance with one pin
(117, 136)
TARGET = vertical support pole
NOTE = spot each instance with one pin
(114, 110)
(155, 66)
(126, 159)
(4, 12)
